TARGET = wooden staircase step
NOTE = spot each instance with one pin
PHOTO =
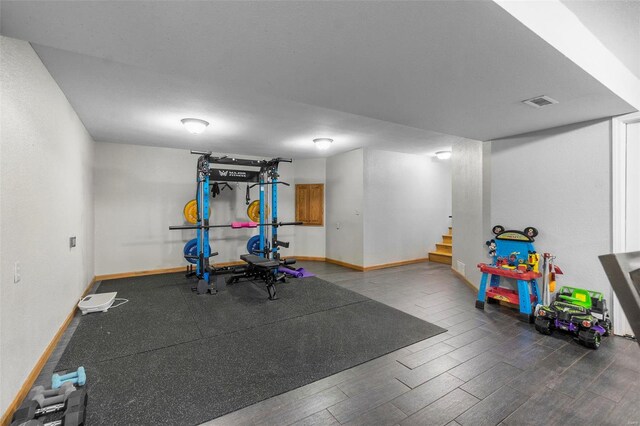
(440, 257)
(443, 248)
(447, 239)
(450, 231)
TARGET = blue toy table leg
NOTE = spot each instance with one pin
(535, 288)
(482, 291)
(495, 281)
(524, 297)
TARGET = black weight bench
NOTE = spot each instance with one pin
(260, 262)
(259, 268)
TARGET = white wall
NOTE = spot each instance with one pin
(384, 207)
(407, 203)
(310, 240)
(559, 180)
(47, 197)
(344, 207)
(140, 191)
(470, 200)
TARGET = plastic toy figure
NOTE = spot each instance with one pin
(581, 312)
(492, 247)
(530, 232)
(522, 267)
(533, 261)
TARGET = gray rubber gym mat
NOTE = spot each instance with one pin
(163, 311)
(156, 316)
(216, 354)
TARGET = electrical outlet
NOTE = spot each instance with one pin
(72, 242)
(460, 268)
(16, 272)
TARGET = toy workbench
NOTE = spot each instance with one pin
(515, 257)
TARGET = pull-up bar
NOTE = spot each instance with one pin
(234, 225)
(241, 161)
(270, 183)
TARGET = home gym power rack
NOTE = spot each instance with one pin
(262, 264)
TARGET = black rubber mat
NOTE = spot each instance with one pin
(170, 356)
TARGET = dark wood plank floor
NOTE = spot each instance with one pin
(488, 369)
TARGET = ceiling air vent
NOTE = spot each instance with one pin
(540, 101)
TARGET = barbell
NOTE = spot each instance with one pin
(234, 225)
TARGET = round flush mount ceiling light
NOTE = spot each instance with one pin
(323, 143)
(194, 125)
(443, 155)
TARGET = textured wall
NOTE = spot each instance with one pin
(47, 197)
(470, 199)
(344, 207)
(559, 180)
(407, 200)
(140, 191)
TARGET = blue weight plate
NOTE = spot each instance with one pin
(253, 245)
(191, 249)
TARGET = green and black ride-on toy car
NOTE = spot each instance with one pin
(578, 311)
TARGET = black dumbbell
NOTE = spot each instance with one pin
(49, 397)
(74, 414)
(41, 401)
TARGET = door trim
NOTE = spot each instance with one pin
(618, 205)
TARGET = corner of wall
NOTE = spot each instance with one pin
(344, 207)
(470, 169)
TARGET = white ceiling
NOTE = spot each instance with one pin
(271, 76)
